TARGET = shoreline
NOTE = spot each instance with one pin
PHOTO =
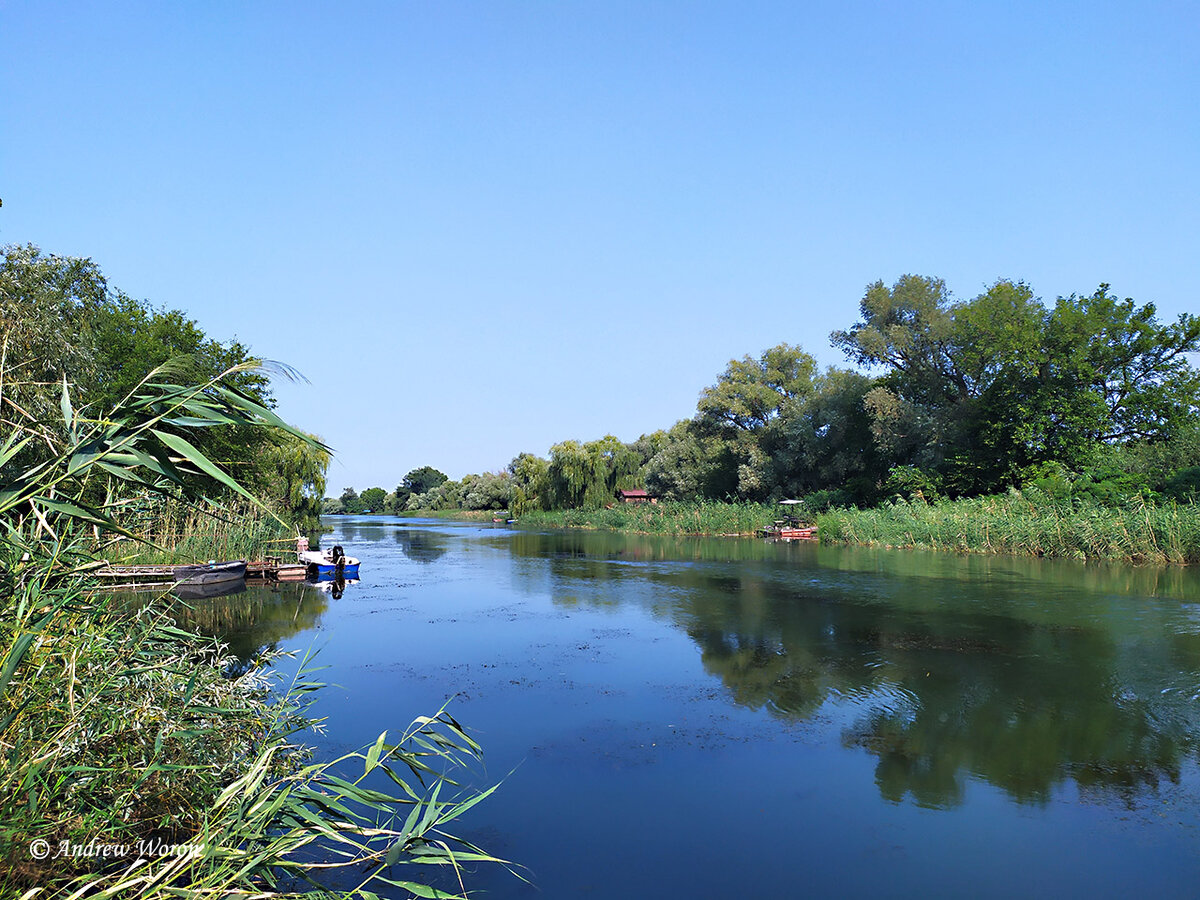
(1022, 524)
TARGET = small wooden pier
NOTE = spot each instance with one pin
(152, 576)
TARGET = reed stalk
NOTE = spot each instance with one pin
(1026, 523)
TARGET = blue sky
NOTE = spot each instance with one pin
(479, 229)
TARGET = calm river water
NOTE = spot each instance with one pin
(727, 718)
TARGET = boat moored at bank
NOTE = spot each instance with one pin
(331, 563)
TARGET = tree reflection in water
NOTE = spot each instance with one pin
(256, 621)
(1022, 674)
(421, 545)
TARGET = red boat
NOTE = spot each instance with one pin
(797, 532)
(789, 528)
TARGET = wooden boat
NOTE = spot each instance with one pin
(789, 528)
(331, 563)
(797, 532)
(210, 573)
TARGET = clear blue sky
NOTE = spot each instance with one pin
(483, 228)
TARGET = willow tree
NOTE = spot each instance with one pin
(295, 470)
(590, 474)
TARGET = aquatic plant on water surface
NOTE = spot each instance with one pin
(132, 766)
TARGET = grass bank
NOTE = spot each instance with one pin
(701, 518)
(1028, 524)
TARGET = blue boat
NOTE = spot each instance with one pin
(332, 563)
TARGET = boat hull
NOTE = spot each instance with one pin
(216, 573)
(318, 564)
(329, 570)
(791, 534)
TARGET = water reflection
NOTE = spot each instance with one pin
(421, 545)
(1019, 672)
(256, 620)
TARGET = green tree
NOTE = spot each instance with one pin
(590, 474)
(490, 490)
(982, 393)
(351, 502)
(751, 393)
(418, 481)
(1137, 368)
(47, 307)
(530, 475)
(371, 499)
(738, 411)
(823, 443)
(60, 320)
(688, 464)
(295, 484)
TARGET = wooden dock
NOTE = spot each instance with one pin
(147, 576)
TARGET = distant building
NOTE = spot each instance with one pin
(636, 496)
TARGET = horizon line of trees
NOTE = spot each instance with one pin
(1090, 397)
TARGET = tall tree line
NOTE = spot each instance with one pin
(1092, 395)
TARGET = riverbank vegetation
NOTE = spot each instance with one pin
(64, 324)
(169, 531)
(1087, 404)
(1028, 523)
(670, 517)
(138, 760)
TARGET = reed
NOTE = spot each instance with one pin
(1026, 523)
(679, 518)
(170, 531)
(120, 733)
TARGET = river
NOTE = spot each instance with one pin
(727, 718)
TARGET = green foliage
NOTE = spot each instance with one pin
(61, 321)
(169, 530)
(351, 503)
(1092, 401)
(911, 483)
(48, 305)
(418, 481)
(1028, 523)
(491, 490)
(1184, 485)
(682, 468)
(985, 391)
(371, 499)
(1137, 367)
(530, 478)
(750, 393)
(590, 474)
(700, 518)
(118, 727)
(293, 478)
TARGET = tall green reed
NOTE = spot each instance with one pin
(1026, 523)
(118, 729)
(703, 517)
